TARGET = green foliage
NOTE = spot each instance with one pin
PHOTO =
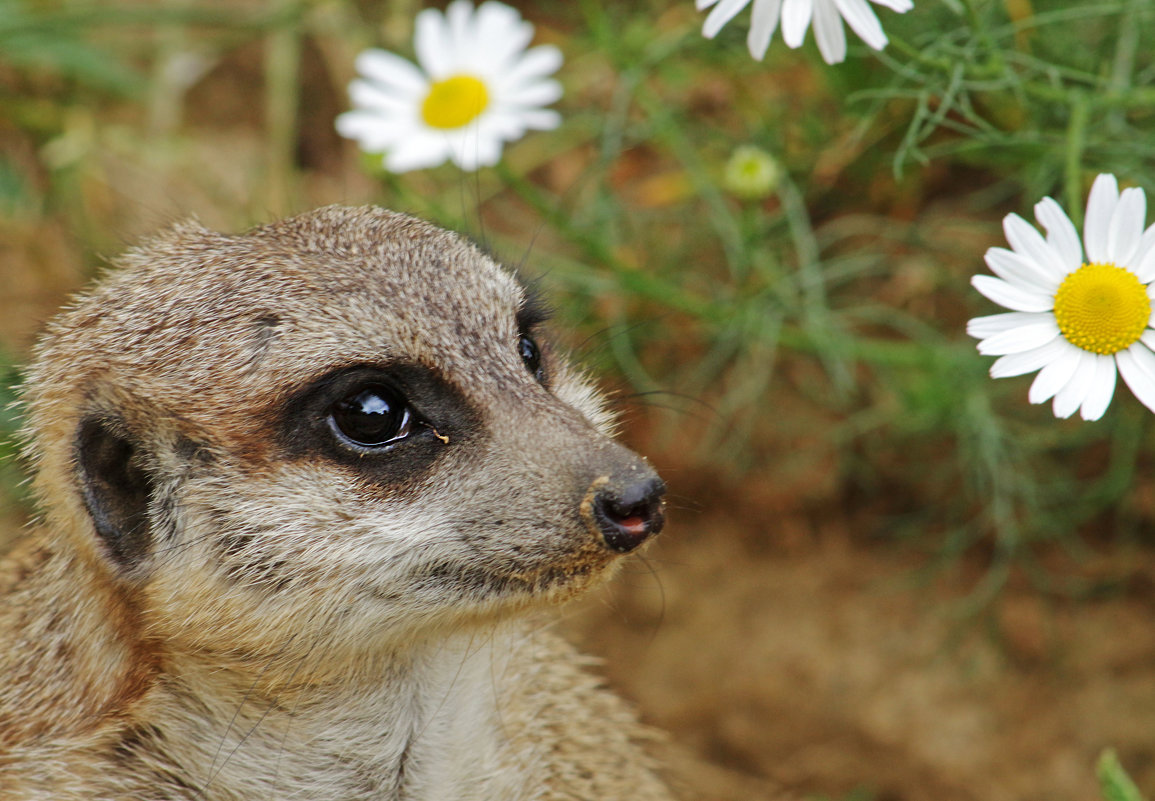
(42, 39)
(1114, 783)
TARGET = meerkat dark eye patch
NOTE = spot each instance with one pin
(116, 490)
(372, 416)
(387, 422)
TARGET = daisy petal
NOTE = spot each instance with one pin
(502, 34)
(1020, 271)
(538, 62)
(1029, 361)
(474, 152)
(863, 21)
(1137, 366)
(391, 71)
(417, 153)
(795, 21)
(434, 44)
(828, 32)
(539, 119)
(983, 327)
(1018, 340)
(1102, 389)
(1010, 296)
(1126, 227)
(1071, 396)
(722, 13)
(1061, 233)
(541, 93)
(1054, 376)
(371, 97)
(1145, 257)
(374, 134)
(763, 23)
(1097, 224)
(901, 6)
(703, 4)
(1025, 240)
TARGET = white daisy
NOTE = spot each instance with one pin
(476, 88)
(1075, 320)
(796, 16)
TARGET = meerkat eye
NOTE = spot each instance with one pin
(531, 356)
(371, 416)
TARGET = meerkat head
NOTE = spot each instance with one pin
(334, 432)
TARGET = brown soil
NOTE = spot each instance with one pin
(788, 651)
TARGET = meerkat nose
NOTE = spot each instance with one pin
(629, 513)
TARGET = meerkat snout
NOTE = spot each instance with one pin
(627, 510)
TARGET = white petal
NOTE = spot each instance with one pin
(1029, 361)
(391, 71)
(862, 20)
(1126, 227)
(701, 4)
(417, 153)
(498, 35)
(1019, 340)
(901, 6)
(1020, 271)
(1097, 223)
(536, 63)
(1010, 296)
(1145, 257)
(828, 32)
(371, 97)
(1102, 388)
(434, 44)
(478, 151)
(539, 119)
(763, 23)
(1025, 239)
(1055, 375)
(1137, 366)
(1071, 396)
(1147, 338)
(541, 93)
(983, 327)
(722, 13)
(373, 133)
(795, 21)
(1061, 233)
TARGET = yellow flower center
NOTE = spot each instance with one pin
(1102, 308)
(454, 102)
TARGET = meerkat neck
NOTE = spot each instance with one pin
(421, 724)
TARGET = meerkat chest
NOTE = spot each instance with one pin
(431, 734)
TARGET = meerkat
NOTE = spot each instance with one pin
(301, 492)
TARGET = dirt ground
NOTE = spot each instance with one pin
(781, 645)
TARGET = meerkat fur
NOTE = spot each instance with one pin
(303, 493)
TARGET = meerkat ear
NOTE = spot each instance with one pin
(116, 489)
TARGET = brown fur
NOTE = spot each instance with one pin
(224, 599)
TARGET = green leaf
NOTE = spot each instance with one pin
(1114, 782)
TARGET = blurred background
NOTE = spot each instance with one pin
(885, 575)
